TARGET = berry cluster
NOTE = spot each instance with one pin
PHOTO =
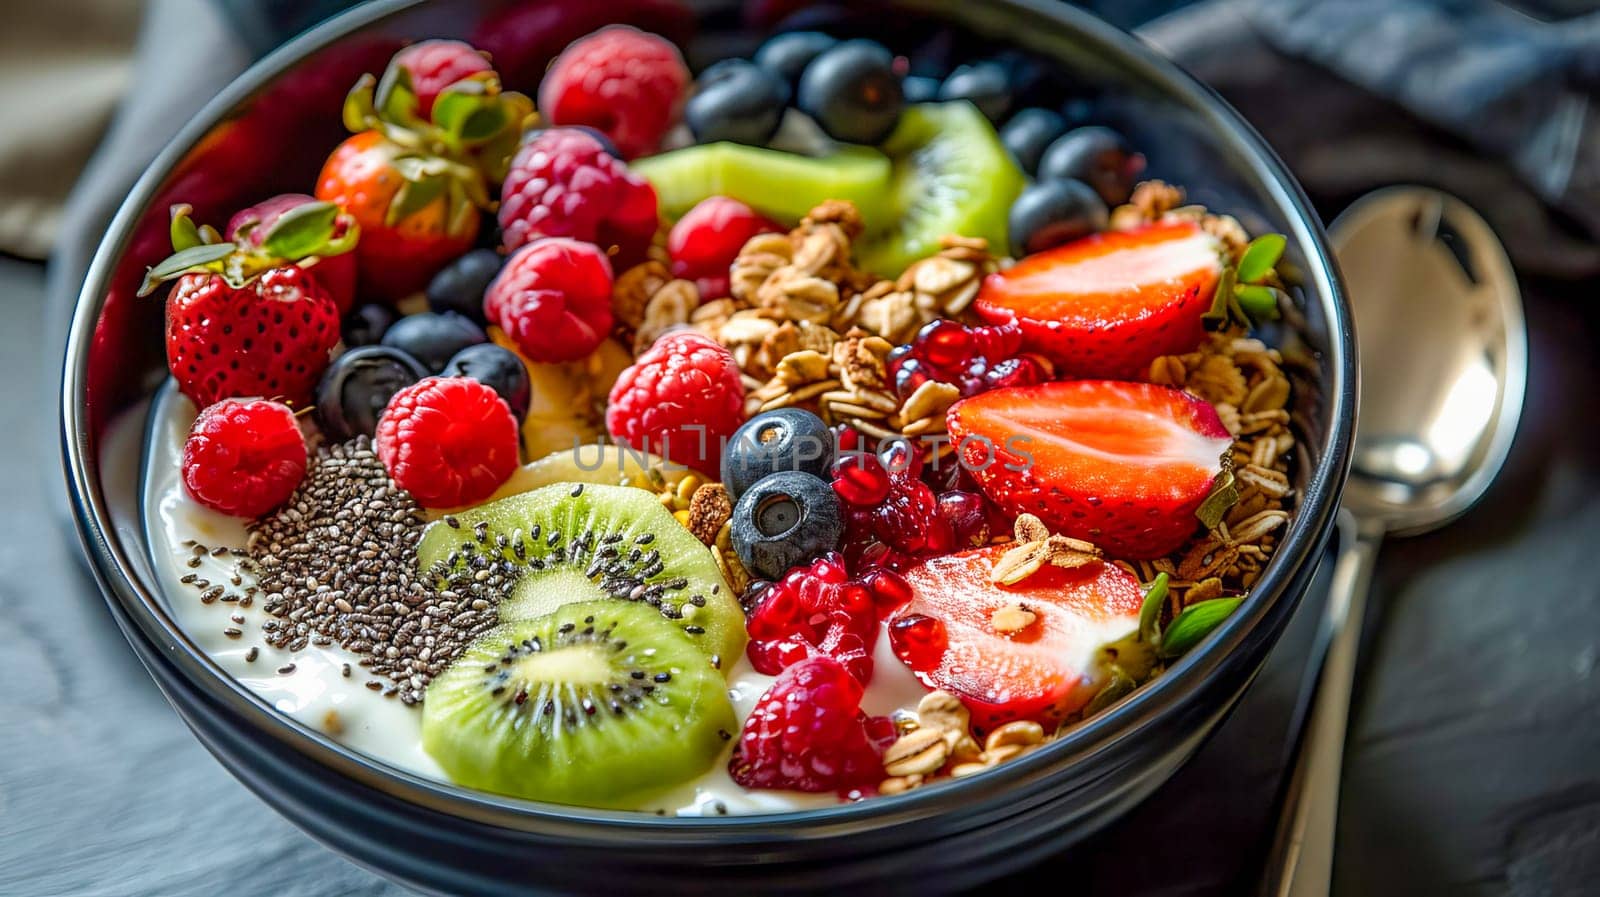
(820, 610)
(974, 359)
(893, 516)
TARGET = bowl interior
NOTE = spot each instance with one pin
(269, 131)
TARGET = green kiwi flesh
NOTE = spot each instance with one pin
(599, 704)
(571, 542)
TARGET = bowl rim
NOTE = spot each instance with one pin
(1301, 546)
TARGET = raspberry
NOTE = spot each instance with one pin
(553, 298)
(449, 441)
(812, 610)
(244, 457)
(807, 733)
(436, 64)
(563, 183)
(620, 81)
(682, 400)
(706, 240)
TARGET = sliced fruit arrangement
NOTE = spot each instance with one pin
(743, 386)
(598, 703)
(1109, 304)
(572, 542)
(1122, 465)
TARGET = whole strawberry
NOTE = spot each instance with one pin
(252, 320)
(417, 171)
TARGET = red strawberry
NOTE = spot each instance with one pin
(1109, 304)
(418, 169)
(1122, 465)
(1044, 671)
(251, 319)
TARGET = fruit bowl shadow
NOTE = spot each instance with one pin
(442, 839)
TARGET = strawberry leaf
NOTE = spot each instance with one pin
(1260, 257)
(414, 196)
(1118, 686)
(1150, 612)
(301, 231)
(1220, 313)
(469, 116)
(1259, 302)
(358, 112)
(1224, 495)
(1194, 624)
(187, 261)
(396, 100)
(185, 235)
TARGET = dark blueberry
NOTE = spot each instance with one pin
(433, 337)
(357, 386)
(852, 92)
(1029, 133)
(497, 368)
(1050, 213)
(918, 89)
(933, 58)
(787, 55)
(605, 142)
(365, 324)
(1096, 155)
(785, 439)
(460, 286)
(736, 100)
(985, 84)
(785, 520)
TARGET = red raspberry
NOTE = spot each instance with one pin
(706, 240)
(436, 64)
(621, 81)
(812, 610)
(563, 183)
(807, 733)
(244, 457)
(682, 400)
(449, 441)
(553, 297)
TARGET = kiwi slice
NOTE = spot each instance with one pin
(572, 542)
(952, 175)
(783, 185)
(598, 704)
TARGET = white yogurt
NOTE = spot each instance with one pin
(317, 693)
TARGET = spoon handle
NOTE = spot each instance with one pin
(1303, 854)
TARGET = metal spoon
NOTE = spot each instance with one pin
(1443, 349)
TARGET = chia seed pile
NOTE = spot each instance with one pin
(338, 564)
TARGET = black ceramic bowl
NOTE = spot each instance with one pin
(267, 133)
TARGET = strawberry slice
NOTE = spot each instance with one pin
(1109, 304)
(960, 633)
(1122, 465)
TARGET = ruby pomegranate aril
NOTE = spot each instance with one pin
(860, 480)
(889, 590)
(919, 641)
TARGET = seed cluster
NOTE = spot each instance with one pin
(629, 686)
(337, 562)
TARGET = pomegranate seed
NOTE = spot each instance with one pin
(967, 516)
(889, 590)
(998, 340)
(944, 343)
(918, 640)
(860, 480)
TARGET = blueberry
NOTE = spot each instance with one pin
(784, 520)
(357, 386)
(1050, 213)
(497, 368)
(918, 89)
(366, 324)
(852, 92)
(460, 286)
(785, 439)
(787, 55)
(1096, 155)
(985, 84)
(1029, 133)
(736, 100)
(433, 337)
